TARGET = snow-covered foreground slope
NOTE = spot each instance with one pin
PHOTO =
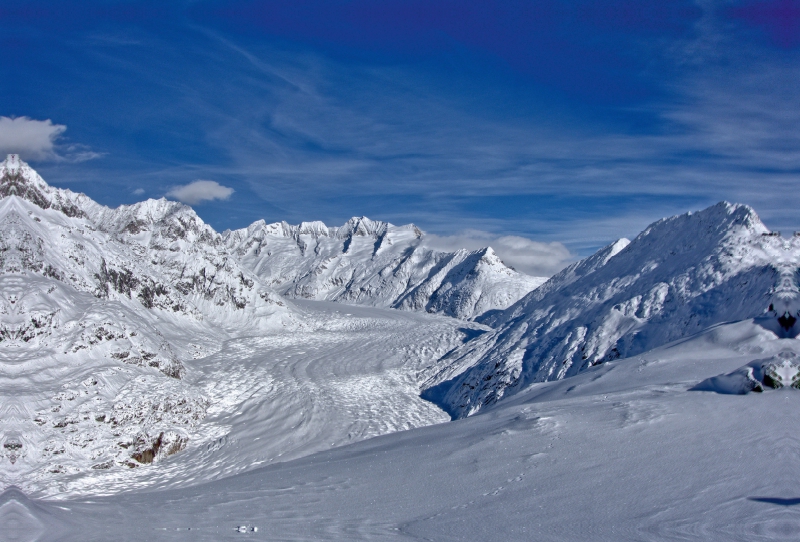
(621, 451)
(377, 264)
(679, 276)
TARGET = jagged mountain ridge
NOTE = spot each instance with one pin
(362, 262)
(110, 315)
(106, 306)
(156, 251)
(678, 277)
(377, 264)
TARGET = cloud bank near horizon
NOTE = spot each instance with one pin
(526, 255)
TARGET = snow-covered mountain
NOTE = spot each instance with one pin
(157, 252)
(377, 264)
(138, 352)
(100, 309)
(106, 314)
(678, 277)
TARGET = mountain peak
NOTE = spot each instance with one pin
(679, 276)
(363, 227)
(12, 162)
(19, 179)
(712, 224)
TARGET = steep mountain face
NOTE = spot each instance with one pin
(157, 252)
(377, 264)
(679, 276)
(104, 304)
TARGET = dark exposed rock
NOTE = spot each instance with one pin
(15, 183)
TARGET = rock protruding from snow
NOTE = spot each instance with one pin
(376, 263)
(679, 276)
(780, 371)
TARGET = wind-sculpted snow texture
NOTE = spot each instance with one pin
(99, 309)
(377, 264)
(679, 276)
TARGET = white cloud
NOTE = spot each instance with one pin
(38, 140)
(138, 192)
(31, 139)
(523, 254)
(199, 191)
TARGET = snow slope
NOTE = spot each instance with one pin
(97, 325)
(679, 276)
(622, 451)
(377, 264)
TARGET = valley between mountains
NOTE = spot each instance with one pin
(134, 334)
(162, 380)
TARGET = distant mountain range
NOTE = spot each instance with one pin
(377, 264)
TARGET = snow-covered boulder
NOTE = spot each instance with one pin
(779, 371)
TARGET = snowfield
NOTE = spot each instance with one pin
(162, 381)
(622, 451)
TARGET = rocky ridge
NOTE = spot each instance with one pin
(678, 277)
(377, 264)
(108, 303)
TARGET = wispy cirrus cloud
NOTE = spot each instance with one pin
(307, 133)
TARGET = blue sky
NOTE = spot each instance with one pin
(567, 123)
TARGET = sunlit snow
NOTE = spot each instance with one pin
(162, 381)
